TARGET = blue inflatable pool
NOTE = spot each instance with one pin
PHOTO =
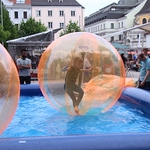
(123, 141)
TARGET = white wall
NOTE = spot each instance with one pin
(20, 11)
(147, 40)
(56, 18)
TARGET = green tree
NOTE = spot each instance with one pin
(31, 27)
(71, 27)
(4, 34)
(10, 31)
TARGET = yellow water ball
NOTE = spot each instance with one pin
(9, 88)
(81, 74)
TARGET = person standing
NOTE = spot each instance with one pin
(124, 59)
(145, 52)
(24, 65)
(144, 79)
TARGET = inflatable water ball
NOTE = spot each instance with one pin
(81, 73)
(9, 89)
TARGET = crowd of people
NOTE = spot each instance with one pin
(140, 63)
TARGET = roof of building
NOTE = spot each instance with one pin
(55, 3)
(145, 9)
(112, 11)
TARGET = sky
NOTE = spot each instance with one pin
(92, 6)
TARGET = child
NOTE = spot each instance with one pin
(70, 80)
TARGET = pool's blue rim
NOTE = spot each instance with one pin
(120, 141)
(127, 141)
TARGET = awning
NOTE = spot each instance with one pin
(146, 28)
(120, 46)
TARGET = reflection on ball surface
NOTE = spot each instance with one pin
(9, 89)
(87, 86)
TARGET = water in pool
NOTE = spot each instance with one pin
(35, 117)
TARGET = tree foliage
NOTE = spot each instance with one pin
(71, 27)
(4, 34)
(8, 30)
(31, 27)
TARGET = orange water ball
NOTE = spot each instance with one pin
(9, 88)
(81, 74)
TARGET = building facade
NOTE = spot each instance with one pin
(114, 18)
(57, 13)
(52, 13)
(136, 38)
(18, 10)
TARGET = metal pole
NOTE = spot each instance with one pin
(2, 18)
(1, 14)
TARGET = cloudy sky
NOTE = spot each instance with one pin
(92, 6)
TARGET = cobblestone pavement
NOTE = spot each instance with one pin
(132, 74)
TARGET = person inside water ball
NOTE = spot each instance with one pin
(70, 82)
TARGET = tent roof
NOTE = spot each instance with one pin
(120, 46)
(34, 37)
(32, 42)
(145, 27)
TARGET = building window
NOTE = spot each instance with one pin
(120, 37)
(118, 25)
(104, 26)
(16, 14)
(113, 9)
(72, 13)
(38, 13)
(25, 15)
(61, 13)
(50, 25)
(122, 24)
(144, 21)
(112, 39)
(20, 1)
(49, 12)
(61, 25)
(112, 25)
